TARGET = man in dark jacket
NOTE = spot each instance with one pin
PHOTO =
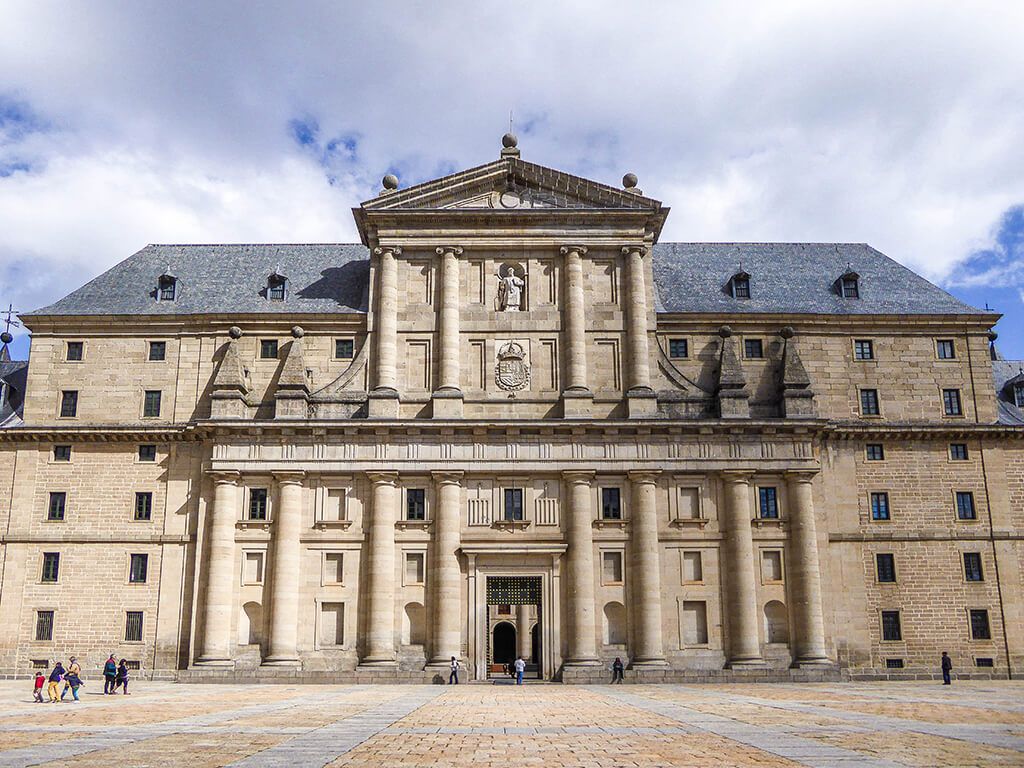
(109, 675)
(947, 665)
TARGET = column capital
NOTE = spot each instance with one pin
(289, 476)
(800, 475)
(628, 249)
(225, 476)
(383, 478)
(567, 249)
(448, 476)
(733, 476)
(442, 250)
(394, 250)
(579, 476)
(644, 476)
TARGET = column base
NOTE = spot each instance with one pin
(213, 662)
(756, 663)
(577, 404)
(582, 663)
(813, 662)
(648, 663)
(447, 403)
(368, 665)
(281, 661)
(382, 403)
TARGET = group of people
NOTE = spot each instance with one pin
(115, 675)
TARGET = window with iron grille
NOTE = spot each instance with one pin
(51, 567)
(980, 629)
(894, 663)
(69, 403)
(984, 661)
(275, 287)
(167, 290)
(151, 403)
(513, 504)
(75, 351)
(611, 504)
(891, 629)
(416, 504)
(144, 505)
(885, 565)
(344, 349)
(678, 348)
(58, 505)
(951, 402)
(851, 289)
(133, 627)
(945, 350)
(965, 505)
(157, 351)
(147, 453)
(879, 505)
(268, 349)
(767, 503)
(863, 349)
(257, 503)
(62, 453)
(875, 452)
(44, 625)
(137, 569)
(958, 451)
(1018, 395)
(753, 349)
(972, 566)
(869, 402)
(741, 287)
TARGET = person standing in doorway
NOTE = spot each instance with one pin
(37, 692)
(109, 675)
(947, 667)
(453, 677)
(55, 677)
(520, 666)
(617, 669)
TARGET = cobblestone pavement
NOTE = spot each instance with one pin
(876, 725)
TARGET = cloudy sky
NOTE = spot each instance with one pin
(899, 124)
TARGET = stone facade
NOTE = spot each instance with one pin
(355, 490)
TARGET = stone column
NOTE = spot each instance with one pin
(380, 570)
(385, 392)
(636, 320)
(444, 575)
(805, 572)
(283, 648)
(738, 567)
(215, 641)
(575, 336)
(645, 571)
(580, 568)
(448, 395)
(523, 636)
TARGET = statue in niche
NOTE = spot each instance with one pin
(510, 290)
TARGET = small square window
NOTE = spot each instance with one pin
(416, 504)
(151, 404)
(611, 567)
(44, 626)
(133, 627)
(157, 351)
(965, 505)
(414, 567)
(344, 349)
(137, 569)
(57, 506)
(980, 629)
(951, 402)
(144, 506)
(69, 403)
(611, 504)
(894, 663)
(945, 350)
(693, 567)
(885, 567)
(863, 349)
(334, 567)
(678, 348)
(958, 451)
(62, 453)
(147, 453)
(513, 504)
(257, 503)
(891, 629)
(875, 452)
(268, 349)
(741, 287)
(252, 568)
(768, 503)
(879, 505)
(972, 567)
(753, 349)
(75, 351)
(51, 567)
(869, 402)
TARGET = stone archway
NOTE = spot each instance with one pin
(503, 643)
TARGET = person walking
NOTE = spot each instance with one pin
(37, 692)
(122, 677)
(520, 667)
(72, 680)
(55, 677)
(109, 675)
(453, 677)
(617, 668)
(947, 666)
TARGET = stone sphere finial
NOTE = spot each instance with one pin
(509, 141)
(787, 332)
(297, 331)
(390, 181)
(629, 180)
(235, 332)
(725, 331)
(992, 335)
(6, 338)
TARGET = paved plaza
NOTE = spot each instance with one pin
(554, 726)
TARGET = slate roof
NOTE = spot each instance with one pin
(1003, 371)
(792, 278)
(14, 373)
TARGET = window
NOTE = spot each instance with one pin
(611, 567)
(965, 505)
(678, 348)
(414, 567)
(74, 351)
(771, 566)
(1018, 395)
(958, 451)
(951, 402)
(980, 629)
(894, 663)
(741, 286)
(850, 287)
(416, 504)
(695, 622)
(983, 661)
(768, 503)
(133, 627)
(62, 453)
(972, 566)
(693, 567)
(268, 349)
(879, 505)
(144, 506)
(151, 404)
(275, 287)
(611, 504)
(252, 568)
(168, 288)
(513, 503)
(332, 623)
(753, 349)
(137, 568)
(863, 349)
(891, 629)
(44, 625)
(257, 503)
(344, 349)
(504, 610)
(885, 567)
(875, 452)
(944, 349)
(69, 403)
(334, 567)
(58, 505)
(147, 453)
(869, 402)
(51, 567)
(157, 351)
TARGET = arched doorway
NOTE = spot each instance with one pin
(535, 646)
(503, 643)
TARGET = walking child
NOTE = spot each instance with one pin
(37, 692)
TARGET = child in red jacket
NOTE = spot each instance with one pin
(38, 692)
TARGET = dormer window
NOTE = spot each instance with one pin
(739, 285)
(276, 285)
(849, 285)
(1018, 394)
(167, 288)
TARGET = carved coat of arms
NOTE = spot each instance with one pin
(512, 372)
